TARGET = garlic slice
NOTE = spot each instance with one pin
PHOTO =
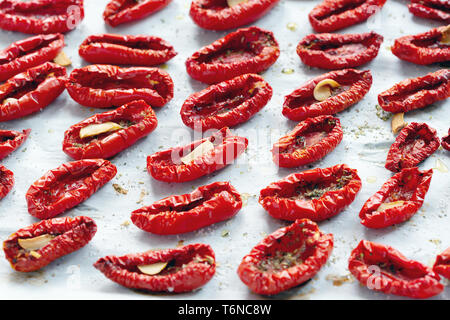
(62, 59)
(232, 3)
(9, 100)
(257, 85)
(152, 269)
(322, 91)
(398, 122)
(35, 243)
(202, 149)
(35, 254)
(446, 35)
(96, 129)
(390, 205)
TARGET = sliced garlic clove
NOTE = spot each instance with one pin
(96, 129)
(9, 100)
(446, 35)
(35, 243)
(62, 59)
(398, 122)
(257, 85)
(232, 3)
(152, 269)
(323, 89)
(390, 205)
(210, 260)
(440, 166)
(202, 149)
(35, 254)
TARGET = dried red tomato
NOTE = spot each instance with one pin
(446, 141)
(442, 264)
(397, 200)
(425, 48)
(287, 258)
(415, 143)
(310, 141)
(339, 51)
(65, 236)
(431, 9)
(31, 91)
(123, 11)
(167, 165)
(132, 50)
(248, 50)
(316, 194)
(11, 140)
(301, 104)
(416, 93)
(226, 104)
(332, 15)
(135, 119)
(218, 15)
(67, 186)
(41, 16)
(28, 53)
(382, 268)
(105, 86)
(188, 268)
(6, 181)
(205, 206)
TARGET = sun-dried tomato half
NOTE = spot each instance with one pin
(105, 86)
(6, 181)
(339, 51)
(431, 9)
(177, 214)
(181, 269)
(106, 134)
(67, 186)
(123, 11)
(446, 141)
(332, 15)
(424, 48)
(382, 268)
(442, 264)
(415, 143)
(36, 246)
(311, 140)
(219, 15)
(28, 53)
(248, 50)
(316, 194)
(11, 141)
(41, 16)
(287, 258)
(197, 159)
(138, 50)
(398, 199)
(353, 86)
(31, 91)
(416, 93)
(226, 104)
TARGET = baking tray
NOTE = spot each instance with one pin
(367, 139)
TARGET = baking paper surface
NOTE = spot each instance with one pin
(367, 139)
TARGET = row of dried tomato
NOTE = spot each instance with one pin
(330, 15)
(287, 258)
(248, 50)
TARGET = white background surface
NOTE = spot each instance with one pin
(73, 276)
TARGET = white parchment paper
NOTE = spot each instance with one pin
(367, 139)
